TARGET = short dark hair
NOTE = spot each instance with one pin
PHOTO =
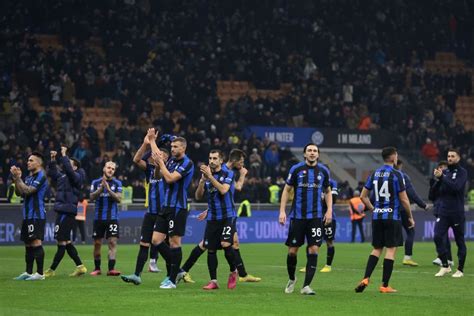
(236, 154)
(455, 150)
(442, 163)
(217, 151)
(387, 152)
(38, 154)
(309, 144)
(166, 151)
(181, 140)
(76, 162)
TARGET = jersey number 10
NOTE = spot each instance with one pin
(383, 190)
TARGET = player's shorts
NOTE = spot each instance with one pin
(107, 229)
(32, 229)
(386, 233)
(312, 229)
(147, 227)
(329, 231)
(171, 221)
(64, 226)
(218, 231)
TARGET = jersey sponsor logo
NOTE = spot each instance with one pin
(383, 210)
(309, 185)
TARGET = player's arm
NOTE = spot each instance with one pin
(96, 191)
(328, 198)
(223, 188)
(434, 189)
(456, 184)
(365, 197)
(412, 195)
(283, 202)
(137, 159)
(240, 183)
(199, 190)
(117, 196)
(406, 205)
(53, 172)
(73, 176)
(21, 188)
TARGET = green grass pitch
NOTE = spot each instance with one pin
(420, 293)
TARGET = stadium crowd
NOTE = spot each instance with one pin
(345, 73)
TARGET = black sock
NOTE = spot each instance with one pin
(153, 252)
(212, 264)
(387, 271)
(58, 256)
(230, 257)
(239, 263)
(112, 264)
(371, 264)
(177, 256)
(29, 259)
(141, 259)
(310, 268)
(164, 250)
(193, 257)
(97, 263)
(72, 252)
(330, 257)
(39, 256)
(291, 266)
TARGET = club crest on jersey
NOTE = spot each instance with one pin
(112, 188)
(221, 179)
(319, 177)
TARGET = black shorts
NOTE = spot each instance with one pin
(329, 231)
(64, 226)
(387, 233)
(107, 229)
(147, 227)
(312, 229)
(171, 221)
(218, 231)
(32, 229)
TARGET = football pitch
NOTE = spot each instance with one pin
(420, 293)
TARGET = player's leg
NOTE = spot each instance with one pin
(226, 234)
(410, 232)
(393, 239)
(112, 255)
(353, 232)
(146, 234)
(361, 229)
(82, 230)
(38, 254)
(294, 241)
(440, 232)
(378, 242)
(71, 250)
(26, 226)
(458, 230)
(61, 244)
(197, 251)
(329, 234)
(314, 235)
(98, 234)
(239, 262)
(212, 241)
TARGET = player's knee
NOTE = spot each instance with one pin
(225, 244)
(293, 251)
(330, 243)
(36, 243)
(157, 238)
(175, 242)
(313, 250)
(144, 244)
(201, 245)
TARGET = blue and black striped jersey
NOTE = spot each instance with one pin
(334, 193)
(309, 182)
(106, 208)
(33, 206)
(176, 194)
(221, 206)
(386, 183)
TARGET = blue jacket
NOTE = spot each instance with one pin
(434, 194)
(68, 185)
(448, 193)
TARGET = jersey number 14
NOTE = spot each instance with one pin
(383, 192)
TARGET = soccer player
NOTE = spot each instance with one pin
(32, 190)
(236, 164)
(329, 231)
(452, 182)
(219, 185)
(390, 197)
(156, 192)
(433, 196)
(177, 173)
(69, 183)
(309, 180)
(106, 191)
(412, 196)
